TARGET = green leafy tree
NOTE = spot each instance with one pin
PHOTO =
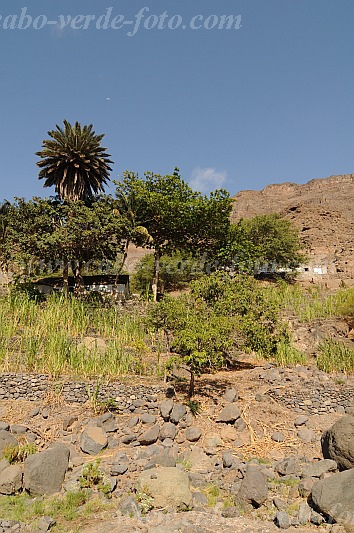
(177, 218)
(74, 162)
(71, 232)
(265, 241)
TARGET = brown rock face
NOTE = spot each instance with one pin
(323, 211)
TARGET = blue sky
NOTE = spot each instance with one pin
(271, 101)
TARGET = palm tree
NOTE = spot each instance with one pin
(74, 161)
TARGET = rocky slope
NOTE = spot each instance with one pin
(249, 461)
(323, 211)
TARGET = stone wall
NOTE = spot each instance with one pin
(37, 387)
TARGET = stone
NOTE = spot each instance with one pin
(304, 513)
(300, 420)
(305, 487)
(333, 496)
(212, 440)
(68, 422)
(193, 434)
(18, 429)
(319, 468)
(6, 439)
(179, 410)
(169, 487)
(149, 436)
(228, 459)
(230, 395)
(118, 469)
(282, 520)
(4, 463)
(279, 503)
(199, 499)
(229, 414)
(338, 443)
(129, 507)
(240, 424)
(11, 480)
(230, 512)
(148, 419)
(4, 425)
(168, 431)
(44, 471)
(45, 523)
(278, 436)
(162, 459)
(306, 435)
(127, 439)
(316, 518)
(93, 439)
(288, 467)
(254, 487)
(165, 409)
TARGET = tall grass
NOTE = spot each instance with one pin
(313, 303)
(51, 337)
(335, 357)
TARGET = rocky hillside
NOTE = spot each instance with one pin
(323, 211)
(275, 453)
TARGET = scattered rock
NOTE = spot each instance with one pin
(11, 479)
(282, 520)
(230, 395)
(333, 496)
(168, 431)
(306, 435)
(178, 412)
(229, 414)
(169, 487)
(6, 439)
(149, 436)
(130, 507)
(319, 468)
(165, 409)
(338, 443)
(300, 420)
(193, 434)
(278, 436)
(254, 487)
(304, 513)
(44, 472)
(93, 440)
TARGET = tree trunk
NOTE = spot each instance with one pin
(65, 277)
(191, 386)
(125, 255)
(155, 282)
(79, 282)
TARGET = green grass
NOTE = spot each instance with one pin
(50, 337)
(71, 507)
(335, 356)
(313, 303)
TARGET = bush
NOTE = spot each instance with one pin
(243, 297)
(222, 315)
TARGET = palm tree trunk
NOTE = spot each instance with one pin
(155, 282)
